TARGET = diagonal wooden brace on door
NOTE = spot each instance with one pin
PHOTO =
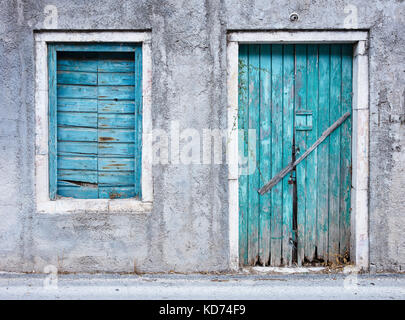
(277, 178)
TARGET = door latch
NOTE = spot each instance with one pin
(292, 178)
(303, 120)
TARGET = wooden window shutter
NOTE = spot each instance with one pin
(95, 120)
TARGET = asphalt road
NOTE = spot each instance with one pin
(172, 286)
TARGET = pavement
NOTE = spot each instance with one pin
(199, 286)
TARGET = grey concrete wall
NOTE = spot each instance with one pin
(187, 229)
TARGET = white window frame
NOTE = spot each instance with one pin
(70, 205)
(359, 241)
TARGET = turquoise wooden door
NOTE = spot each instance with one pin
(290, 94)
(95, 121)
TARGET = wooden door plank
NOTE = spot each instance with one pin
(288, 127)
(276, 152)
(301, 143)
(345, 151)
(254, 176)
(287, 169)
(265, 152)
(334, 152)
(243, 98)
(311, 183)
(323, 153)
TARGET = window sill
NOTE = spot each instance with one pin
(70, 205)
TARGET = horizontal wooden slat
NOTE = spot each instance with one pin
(116, 178)
(72, 64)
(77, 104)
(83, 92)
(120, 50)
(63, 183)
(116, 121)
(76, 134)
(111, 106)
(78, 192)
(77, 163)
(116, 79)
(116, 192)
(116, 65)
(116, 149)
(116, 92)
(83, 78)
(82, 119)
(82, 176)
(77, 148)
(115, 164)
(116, 135)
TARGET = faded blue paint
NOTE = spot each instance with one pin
(95, 98)
(310, 88)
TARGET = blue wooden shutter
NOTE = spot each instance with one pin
(96, 151)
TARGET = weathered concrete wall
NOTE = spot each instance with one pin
(187, 229)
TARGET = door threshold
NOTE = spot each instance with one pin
(284, 270)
